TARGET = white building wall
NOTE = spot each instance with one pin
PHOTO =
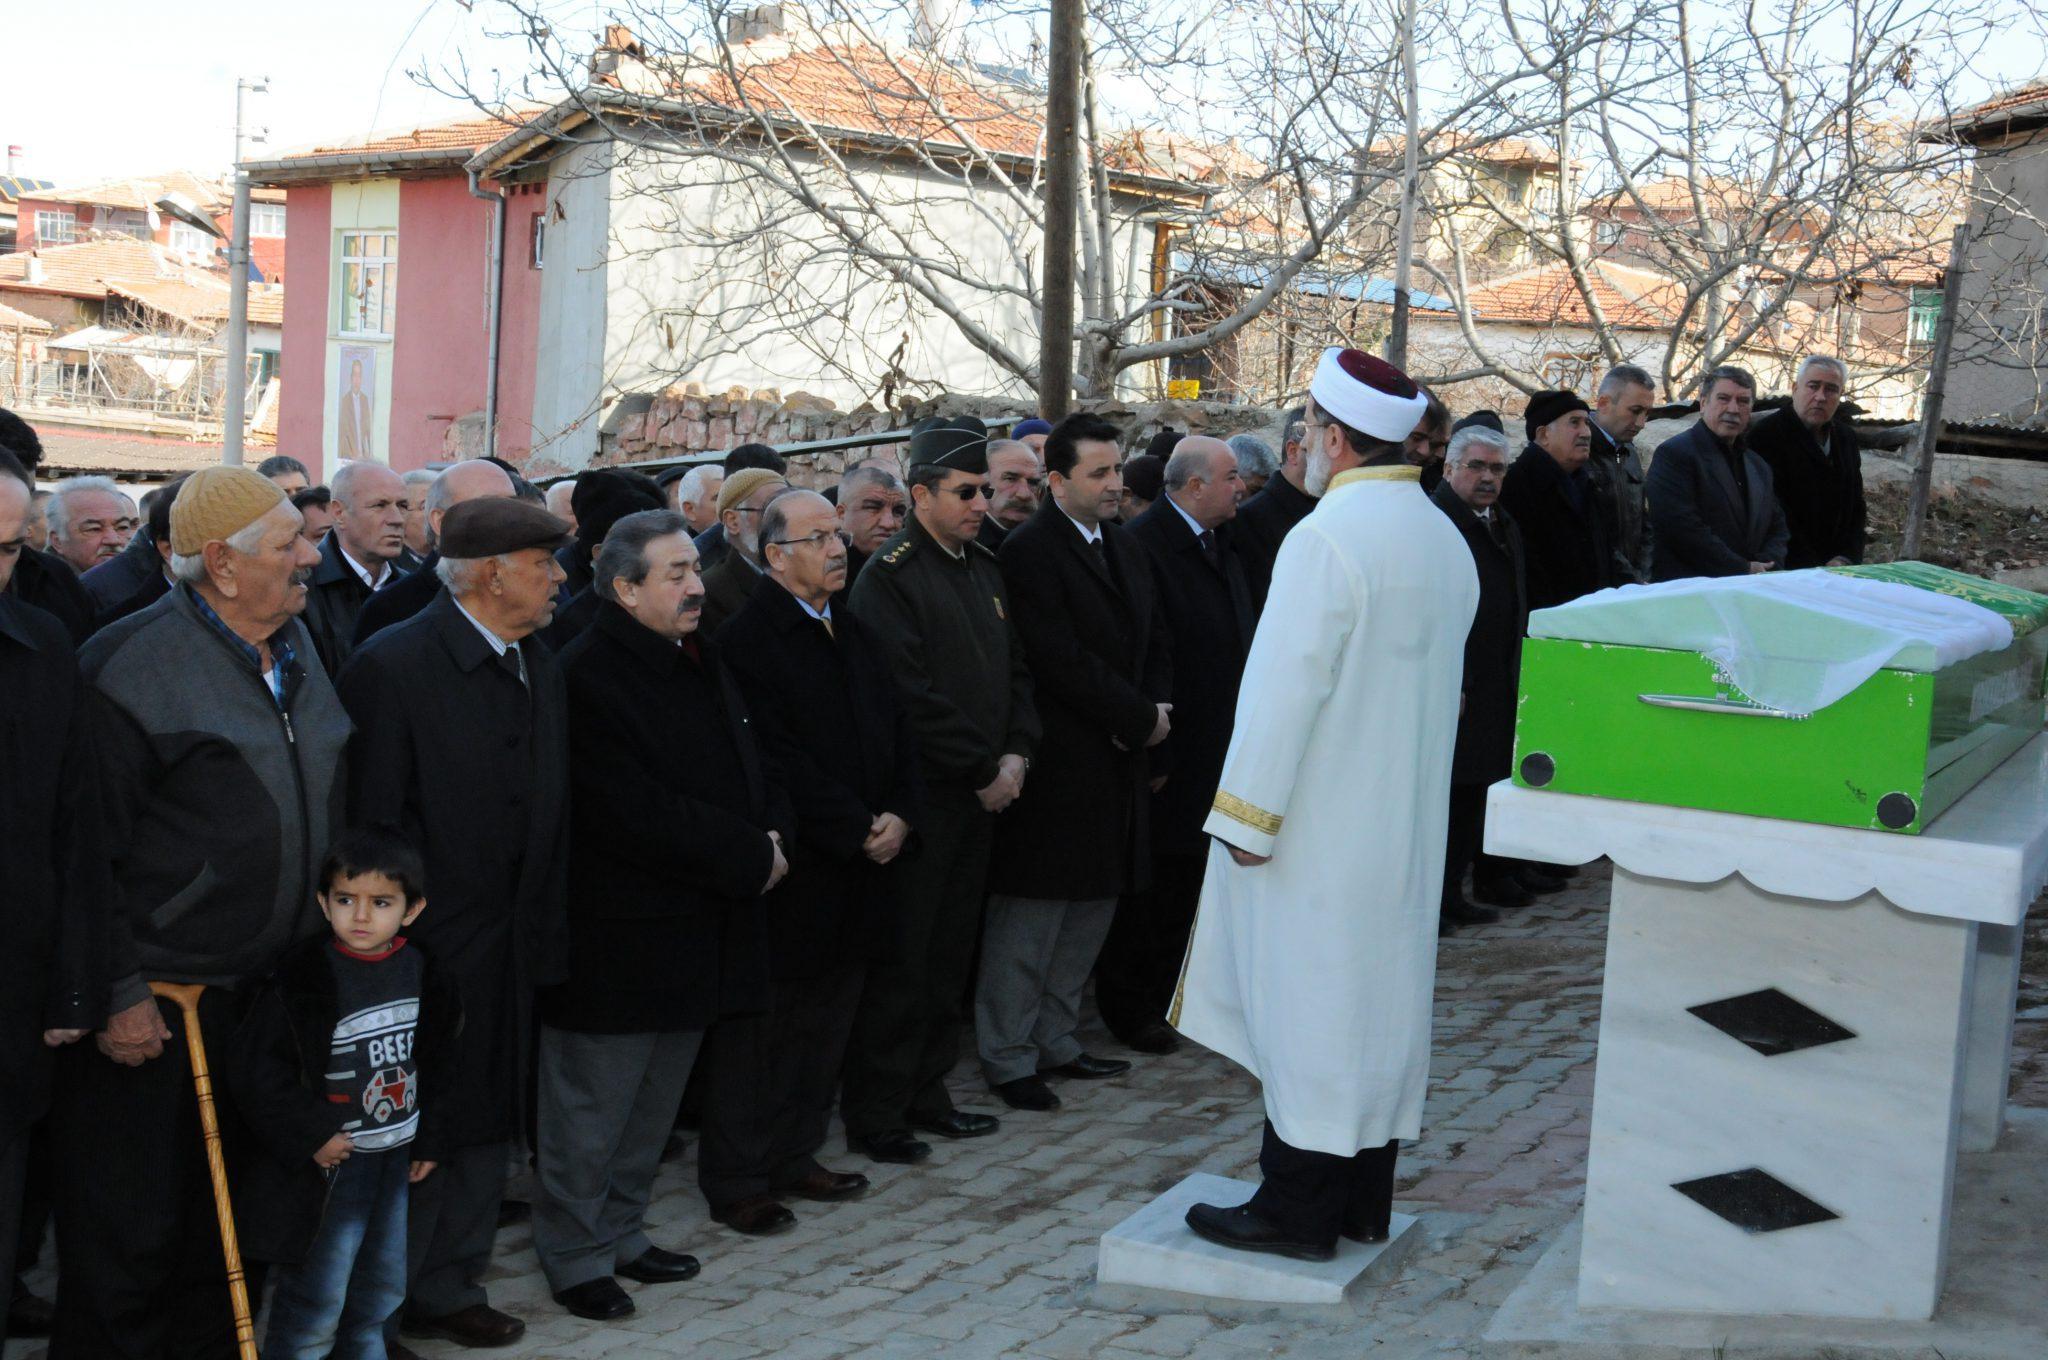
(1999, 370)
(569, 388)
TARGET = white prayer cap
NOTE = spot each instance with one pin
(1368, 394)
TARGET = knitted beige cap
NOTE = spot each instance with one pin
(743, 484)
(217, 503)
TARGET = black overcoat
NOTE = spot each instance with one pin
(826, 708)
(1209, 618)
(1261, 525)
(473, 767)
(1821, 493)
(399, 601)
(47, 582)
(1094, 633)
(1701, 523)
(1493, 649)
(335, 597)
(56, 887)
(672, 805)
(727, 588)
(1564, 548)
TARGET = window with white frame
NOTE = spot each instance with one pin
(126, 221)
(1924, 317)
(369, 282)
(55, 226)
(266, 219)
(190, 240)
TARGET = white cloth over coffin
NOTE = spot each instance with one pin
(1793, 640)
(1315, 971)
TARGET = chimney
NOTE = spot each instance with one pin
(621, 61)
(762, 21)
(14, 153)
(34, 270)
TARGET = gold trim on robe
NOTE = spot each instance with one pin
(1385, 472)
(1238, 810)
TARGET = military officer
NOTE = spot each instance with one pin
(935, 604)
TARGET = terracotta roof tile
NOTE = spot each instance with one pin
(465, 135)
(898, 96)
(1632, 299)
(82, 269)
(140, 192)
(199, 300)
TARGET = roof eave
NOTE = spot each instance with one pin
(327, 167)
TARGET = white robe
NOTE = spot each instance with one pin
(1315, 971)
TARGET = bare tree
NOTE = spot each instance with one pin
(1764, 160)
(864, 188)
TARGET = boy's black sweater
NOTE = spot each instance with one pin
(276, 1075)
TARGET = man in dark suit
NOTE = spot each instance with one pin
(1473, 469)
(1016, 481)
(1551, 498)
(1620, 408)
(730, 584)
(156, 540)
(935, 601)
(600, 499)
(470, 480)
(1075, 841)
(55, 861)
(676, 848)
(1209, 620)
(1263, 521)
(1713, 504)
(825, 708)
(358, 559)
(871, 507)
(1816, 468)
(461, 744)
(711, 544)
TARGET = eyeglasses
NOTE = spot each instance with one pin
(813, 540)
(971, 491)
(1494, 468)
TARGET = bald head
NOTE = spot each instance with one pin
(473, 480)
(1202, 478)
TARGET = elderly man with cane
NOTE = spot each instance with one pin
(220, 754)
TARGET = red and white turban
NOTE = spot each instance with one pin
(1368, 394)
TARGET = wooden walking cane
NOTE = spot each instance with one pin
(186, 996)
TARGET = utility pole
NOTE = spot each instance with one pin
(1404, 234)
(1930, 405)
(234, 421)
(1062, 208)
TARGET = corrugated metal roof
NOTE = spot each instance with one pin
(1314, 282)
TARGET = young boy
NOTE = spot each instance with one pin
(334, 1067)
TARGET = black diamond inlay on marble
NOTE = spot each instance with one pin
(1771, 1022)
(1754, 1200)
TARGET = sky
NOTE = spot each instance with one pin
(143, 86)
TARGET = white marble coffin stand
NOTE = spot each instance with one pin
(1155, 1249)
(1911, 942)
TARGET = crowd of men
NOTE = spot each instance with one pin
(734, 799)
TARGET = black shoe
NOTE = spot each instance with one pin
(1242, 1228)
(1463, 913)
(1372, 1234)
(957, 1124)
(656, 1266)
(1154, 1038)
(512, 1212)
(29, 1315)
(678, 1143)
(1027, 1093)
(1088, 1068)
(1541, 880)
(891, 1145)
(1502, 892)
(756, 1216)
(599, 1300)
(828, 1187)
(478, 1327)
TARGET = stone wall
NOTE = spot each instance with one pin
(686, 421)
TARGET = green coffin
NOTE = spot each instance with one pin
(1656, 725)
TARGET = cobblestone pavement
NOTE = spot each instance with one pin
(989, 1248)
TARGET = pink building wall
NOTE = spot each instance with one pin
(302, 363)
(519, 336)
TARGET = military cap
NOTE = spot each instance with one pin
(493, 525)
(958, 445)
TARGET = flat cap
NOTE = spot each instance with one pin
(1545, 407)
(493, 525)
(958, 445)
